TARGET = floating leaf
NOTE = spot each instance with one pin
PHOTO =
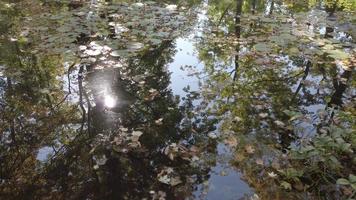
(175, 181)
(115, 54)
(136, 135)
(262, 47)
(231, 141)
(263, 115)
(167, 176)
(286, 185)
(338, 54)
(164, 179)
(342, 181)
(279, 123)
(272, 174)
(171, 7)
(249, 149)
(293, 51)
(92, 52)
(212, 135)
(135, 46)
(259, 161)
(352, 178)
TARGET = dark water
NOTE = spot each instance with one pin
(125, 100)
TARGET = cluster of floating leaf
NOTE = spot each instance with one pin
(282, 34)
(119, 30)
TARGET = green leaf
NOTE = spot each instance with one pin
(328, 47)
(293, 51)
(287, 37)
(353, 185)
(352, 178)
(342, 181)
(135, 46)
(286, 185)
(338, 54)
(262, 47)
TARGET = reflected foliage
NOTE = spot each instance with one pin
(79, 128)
(278, 84)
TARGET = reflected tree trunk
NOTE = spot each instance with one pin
(340, 86)
(271, 8)
(12, 123)
(328, 31)
(237, 34)
(238, 17)
(306, 72)
(253, 6)
(330, 7)
(81, 104)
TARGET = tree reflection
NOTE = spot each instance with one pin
(254, 104)
(116, 133)
(86, 109)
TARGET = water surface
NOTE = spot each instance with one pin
(167, 99)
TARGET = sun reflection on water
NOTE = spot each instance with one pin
(109, 101)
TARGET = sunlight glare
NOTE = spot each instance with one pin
(109, 101)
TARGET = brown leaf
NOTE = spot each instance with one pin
(249, 149)
(275, 164)
(153, 94)
(298, 186)
(239, 157)
(231, 142)
(259, 161)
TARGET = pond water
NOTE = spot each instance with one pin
(197, 99)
